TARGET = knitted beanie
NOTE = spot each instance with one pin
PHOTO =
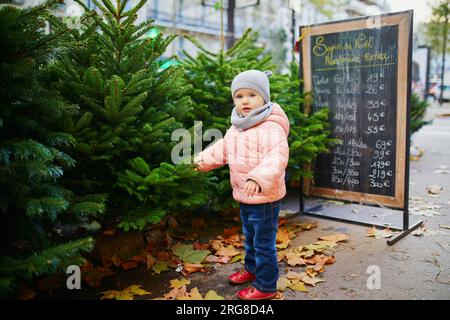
(253, 79)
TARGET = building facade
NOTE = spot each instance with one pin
(276, 21)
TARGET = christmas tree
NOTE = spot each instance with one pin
(32, 154)
(129, 105)
(209, 76)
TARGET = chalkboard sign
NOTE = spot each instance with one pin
(359, 69)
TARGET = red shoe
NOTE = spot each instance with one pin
(251, 293)
(242, 276)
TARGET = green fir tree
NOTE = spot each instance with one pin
(129, 104)
(33, 155)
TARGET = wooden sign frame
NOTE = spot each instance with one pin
(404, 22)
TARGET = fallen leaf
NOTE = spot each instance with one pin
(215, 259)
(374, 232)
(159, 267)
(335, 237)
(26, 293)
(189, 268)
(212, 295)
(129, 265)
(109, 232)
(307, 226)
(234, 240)
(307, 253)
(176, 284)
(321, 259)
(419, 232)
(230, 231)
(311, 281)
(297, 285)
(94, 275)
(415, 153)
(279, 296)
(444, 226)
(125, 294)
(239, 257)
(187, 253)
(311, 272)
(192, 295)
(280, 255)
(50, 283)
(215, 244)
(434, 189)
(283, 283)
(116, 260)
(200, 246)
(228, 251)
(293, 258)
(282, 240)
(150, 261)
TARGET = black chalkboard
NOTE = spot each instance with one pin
(359, 72)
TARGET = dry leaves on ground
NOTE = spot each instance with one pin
(125, 294)
(179, 292)
(374, 232)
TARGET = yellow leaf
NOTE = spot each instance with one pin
(282, 238)
(293, 258)
(283, 283)
(212, 295)
(325, 245)
(307, 254)
(175, 283)
(160, 267)
(307, 226)
(335, 237)
(227, 251)
(239, 257)
(136, 290)
(311, 272)
(125, 294)
(297, 285)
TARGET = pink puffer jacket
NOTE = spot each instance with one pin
(259, 153)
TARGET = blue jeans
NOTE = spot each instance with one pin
(260, 225)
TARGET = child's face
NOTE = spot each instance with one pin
(247, 99)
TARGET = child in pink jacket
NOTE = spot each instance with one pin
(256, 149)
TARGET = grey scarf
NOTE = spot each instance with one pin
(253, 118)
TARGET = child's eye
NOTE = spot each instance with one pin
(252, 95)
(238, 96)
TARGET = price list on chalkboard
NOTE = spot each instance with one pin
(354, 74)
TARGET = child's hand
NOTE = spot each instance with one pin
(251, 188)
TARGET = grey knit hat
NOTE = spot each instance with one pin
(253, 79)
